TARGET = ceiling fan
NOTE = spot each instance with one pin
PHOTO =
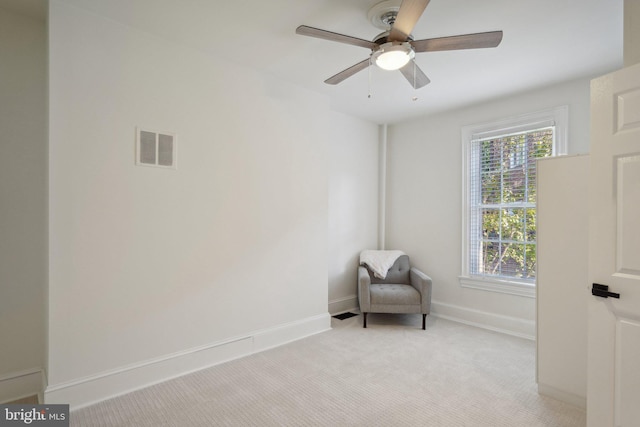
(395, 48)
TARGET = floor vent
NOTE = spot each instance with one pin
(343, 316)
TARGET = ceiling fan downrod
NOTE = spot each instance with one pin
(389, 18)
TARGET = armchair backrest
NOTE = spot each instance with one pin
(399, 273)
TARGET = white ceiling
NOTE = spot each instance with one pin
(545, 42)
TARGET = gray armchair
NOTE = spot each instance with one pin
(405, 289)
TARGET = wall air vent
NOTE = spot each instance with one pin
(156, 149)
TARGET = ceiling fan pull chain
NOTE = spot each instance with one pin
(415, 90)
(414, 75)
(369, 88)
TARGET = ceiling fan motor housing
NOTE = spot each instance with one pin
(383, 38)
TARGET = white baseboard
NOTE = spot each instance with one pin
(21, 384)
(288, 332)
(495, 322)
(89, 390)
(570, 398)
(342, 305)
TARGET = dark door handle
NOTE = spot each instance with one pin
(603, 291)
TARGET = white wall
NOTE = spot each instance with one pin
(631, 32)
(353, 206)
(151, 268)
(562, 277)
(23, 199)
(424, 196)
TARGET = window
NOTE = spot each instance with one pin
(499, 218)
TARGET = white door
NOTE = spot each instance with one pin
(613, 397)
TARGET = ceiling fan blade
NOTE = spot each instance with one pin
(408, 14)
(416, 77)
(342, 75)
(335, 37)
(466, 41)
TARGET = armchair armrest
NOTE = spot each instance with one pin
(364, 281)
(422, 283)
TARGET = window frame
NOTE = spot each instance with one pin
(557, 117)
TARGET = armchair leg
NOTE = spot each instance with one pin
(424, 321)
(364, 325)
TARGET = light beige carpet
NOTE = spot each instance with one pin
(390, 374)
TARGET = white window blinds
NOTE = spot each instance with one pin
(502, 201)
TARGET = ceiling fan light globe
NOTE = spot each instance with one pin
(393, 56)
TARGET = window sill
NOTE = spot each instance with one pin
(502, 286)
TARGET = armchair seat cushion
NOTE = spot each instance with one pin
(394, 294)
